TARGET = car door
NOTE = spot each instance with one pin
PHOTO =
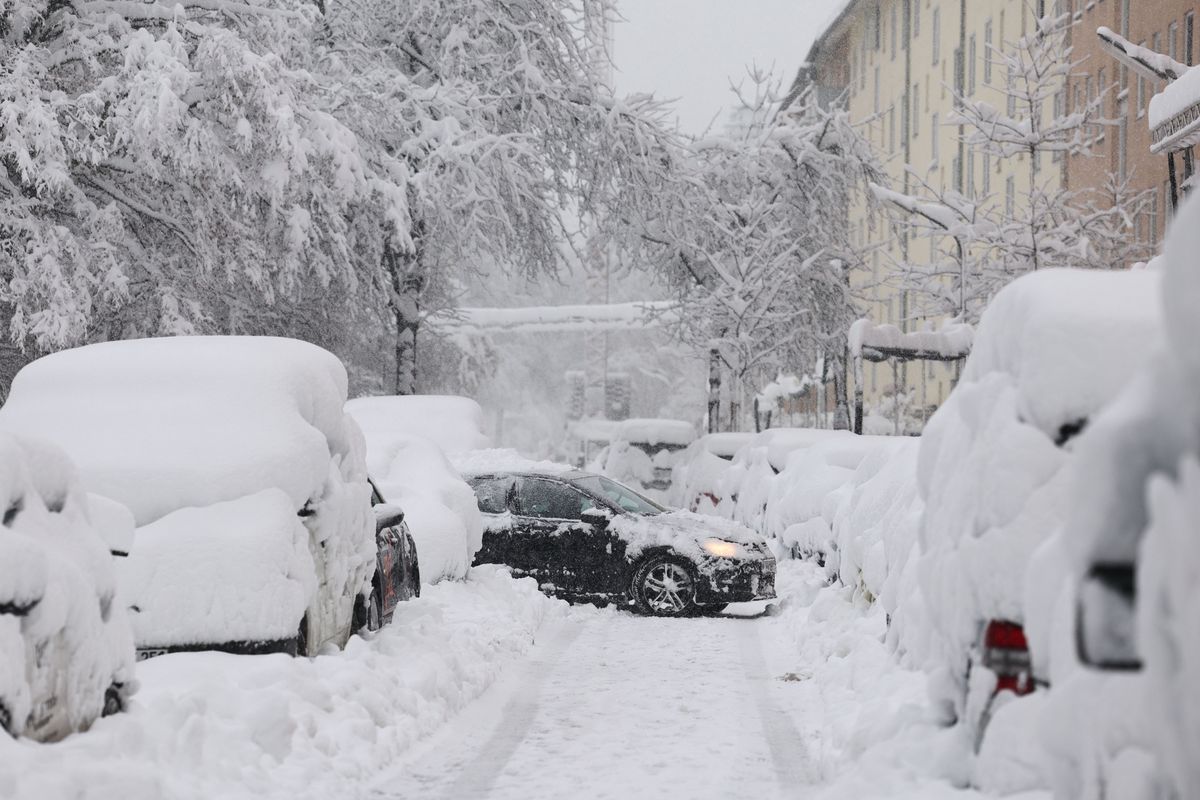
(494, 494)
(575, 557)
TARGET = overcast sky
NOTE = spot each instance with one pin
(688, 49)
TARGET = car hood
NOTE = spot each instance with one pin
(683, 531)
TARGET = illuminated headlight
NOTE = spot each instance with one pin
(721, 548)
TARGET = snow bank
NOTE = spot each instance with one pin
(455, 424)
(65, 637)
(699, 471)
(215, 725)
(161, 425)
(655, 432)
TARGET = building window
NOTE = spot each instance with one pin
(971, 174)
(893, 32)
(916, 18)
(987, 52)
(1122, 145)
(1189, 34)
(1172, 39)
(934, 134)
(892, 128)
(1010, 88)
(878, 27)
(937, 36)
(956, 174)
(1141, 91)
(987, 174)
(972, 55)
(1010, 197)
(1152, 219)
(877, 90)
(916, 106)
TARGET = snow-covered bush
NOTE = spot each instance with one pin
(1134, 501)
(66, 647)
(235, 457)
(996, 462)
(408, 439)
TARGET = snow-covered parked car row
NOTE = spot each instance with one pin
(231, 479)
(66, 648)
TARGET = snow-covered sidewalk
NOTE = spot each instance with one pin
(207, 725)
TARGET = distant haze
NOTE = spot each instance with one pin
(690, 49)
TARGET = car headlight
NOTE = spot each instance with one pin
(721, 548)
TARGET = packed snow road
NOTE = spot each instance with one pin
(625, 706)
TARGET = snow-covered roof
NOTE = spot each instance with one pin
(161, 424)
(875, 342)
(656, 431)
(478, 462)
(1174, 115)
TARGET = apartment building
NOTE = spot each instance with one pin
(1123, 147)
(899, 65)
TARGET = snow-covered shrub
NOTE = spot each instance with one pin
(65, 641)
(408, 439)
(1134, 501)
(996, 464)
(193, 434)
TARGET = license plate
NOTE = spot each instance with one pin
(142, 655)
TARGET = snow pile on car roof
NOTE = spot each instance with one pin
(162, 424)
(65, 637)
(478, 462)
(453, 423)
(413, 472)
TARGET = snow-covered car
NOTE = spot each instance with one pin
(586, 537)
(697, 477)
(412, 469)
(66, 647)
(245, 478)
(995, 466)
(397, 568)
(644, 451)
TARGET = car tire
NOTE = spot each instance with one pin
(302, 637)
(374, 612)
(665, 586)
(114, 700)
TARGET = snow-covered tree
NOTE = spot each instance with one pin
(751, 239)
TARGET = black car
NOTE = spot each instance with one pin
(397, 572)
(585, 537)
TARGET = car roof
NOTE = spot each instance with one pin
(563, 475)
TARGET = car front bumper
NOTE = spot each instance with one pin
(729, 581)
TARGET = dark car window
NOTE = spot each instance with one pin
(549, 499)
(622, 497)
(492, 494)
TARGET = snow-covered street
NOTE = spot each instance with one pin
(488, 689)
(804, 703)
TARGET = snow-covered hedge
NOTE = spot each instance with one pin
(411, 469)
(65, 638)
(177, 429)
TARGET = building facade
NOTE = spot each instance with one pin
(900, 67)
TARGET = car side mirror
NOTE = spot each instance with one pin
(1105, 621)
(387, 516)
(596, 516)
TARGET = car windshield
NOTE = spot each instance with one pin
(622, 497)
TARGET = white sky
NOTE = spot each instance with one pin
(688, 49)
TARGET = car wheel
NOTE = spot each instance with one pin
(114, 701)
(665, 586)
(302, 637)
(374, 612)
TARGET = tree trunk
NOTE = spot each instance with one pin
(841, 399)
(406, 350)
(714, 390)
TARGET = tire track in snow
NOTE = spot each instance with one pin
(789, 752)
(480, 773)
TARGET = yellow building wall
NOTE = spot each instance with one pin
(901, 94)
